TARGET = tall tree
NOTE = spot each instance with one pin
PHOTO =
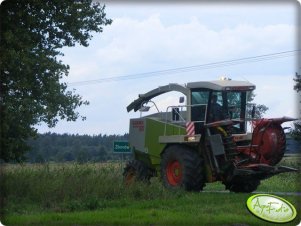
(296, 132)
(297, 86)
(32, 34)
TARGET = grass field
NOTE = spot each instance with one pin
(186, 209)
(93, 194)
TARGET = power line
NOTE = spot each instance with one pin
(271, 56)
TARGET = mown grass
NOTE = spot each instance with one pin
(94, 194)
(186, 209)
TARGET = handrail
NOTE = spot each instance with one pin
(146, 102)
(180, 116)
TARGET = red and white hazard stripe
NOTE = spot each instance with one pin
(190, 128)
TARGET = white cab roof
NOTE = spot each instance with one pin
(222, 85)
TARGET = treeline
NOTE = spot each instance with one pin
(52, 147)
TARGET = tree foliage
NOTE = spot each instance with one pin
(260, 109)
(52, 147)
(296, 132)
(32, 35)
(297, 79)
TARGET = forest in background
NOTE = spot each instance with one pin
(52, 147)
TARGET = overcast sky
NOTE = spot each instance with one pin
(154, 37)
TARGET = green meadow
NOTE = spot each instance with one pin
(94, 194)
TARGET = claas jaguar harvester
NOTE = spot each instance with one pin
(204, 138)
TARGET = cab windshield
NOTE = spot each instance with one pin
(210, 106)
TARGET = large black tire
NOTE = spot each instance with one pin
(182, 167)
(243, 186)
(136, 170)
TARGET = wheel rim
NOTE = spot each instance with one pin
(174, 173)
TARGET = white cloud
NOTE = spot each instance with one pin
(143, 42)
(156, 42)
(277, 93)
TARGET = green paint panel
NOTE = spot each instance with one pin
(144, 157)
(153, 130)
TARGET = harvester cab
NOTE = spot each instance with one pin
(205, 139)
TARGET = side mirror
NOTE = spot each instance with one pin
(181, 100)
(253, 111)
